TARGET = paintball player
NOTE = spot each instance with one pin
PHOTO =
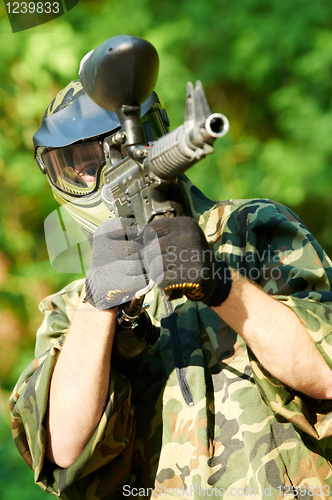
(223, 386)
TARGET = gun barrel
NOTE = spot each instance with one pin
(217, 125)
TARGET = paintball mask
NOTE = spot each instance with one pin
(69, 149)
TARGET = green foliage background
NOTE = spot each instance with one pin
(266, 64)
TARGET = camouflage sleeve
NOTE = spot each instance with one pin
(28, 405)
(280, 253)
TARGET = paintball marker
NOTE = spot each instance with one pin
(119, 75)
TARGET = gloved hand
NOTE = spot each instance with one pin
(116, 270)
(189, 266)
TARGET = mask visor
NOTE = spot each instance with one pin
(75, 168)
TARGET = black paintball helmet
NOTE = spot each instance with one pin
(69, 149)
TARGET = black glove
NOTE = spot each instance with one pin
(116, 271)
(189, 266)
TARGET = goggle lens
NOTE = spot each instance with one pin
(73, 168)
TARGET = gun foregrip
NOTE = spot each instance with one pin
(168, 157)
(173, 153)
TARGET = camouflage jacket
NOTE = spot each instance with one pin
(247, 434)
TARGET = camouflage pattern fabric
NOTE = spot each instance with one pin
(247, 435)
(67, 95)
